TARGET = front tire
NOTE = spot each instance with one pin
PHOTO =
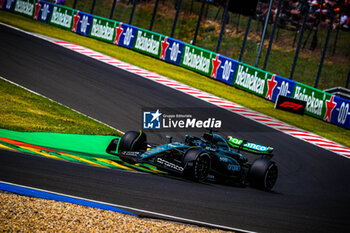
(133, 141)
(263, 174)
(197, 164)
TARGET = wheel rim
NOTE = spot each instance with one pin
(271, 177)
(203, 166)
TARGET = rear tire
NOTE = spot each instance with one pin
(263, 174)
(133, 141)
(197, 164)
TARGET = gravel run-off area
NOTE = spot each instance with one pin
(28, 214)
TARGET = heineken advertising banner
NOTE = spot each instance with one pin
(82, 23)
(103, 29)
(148, 42)
(43, 11)
(323, 105)
(25, 7)
(125, 35)
(172, 50)
(224, 69)
(62, 17)
(251, 79)
(278, 85)
(8, 5)
(198, 59)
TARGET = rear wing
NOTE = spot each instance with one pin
(249, 146)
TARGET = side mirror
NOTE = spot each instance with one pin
(170, 138)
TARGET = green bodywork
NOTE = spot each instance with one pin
(248, 146)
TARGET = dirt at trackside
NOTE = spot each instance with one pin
(27, 214)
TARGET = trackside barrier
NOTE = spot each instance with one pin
(320, 104)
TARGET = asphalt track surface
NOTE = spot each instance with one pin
(311, 194)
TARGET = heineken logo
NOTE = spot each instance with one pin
(118, 33)
(314, 105)
(250, 81)
(271, 84)
(37, 9)
(343, 111)
(45, 12)
(24, 7)
(174, 51)
(8, 4)
(128, 36)
(165, 45)
(330, 105)
(63, 19)
(147, 44)
(76, 20)
(216, 63)
(284, 88)
(196, 61)
(226, 70)
(101, 29)
(84, 23)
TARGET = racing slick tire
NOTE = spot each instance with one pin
(197, 164)
(133, 141)
(263, 174)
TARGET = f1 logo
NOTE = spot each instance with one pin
(290, 104)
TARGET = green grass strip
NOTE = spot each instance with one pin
(22, 110)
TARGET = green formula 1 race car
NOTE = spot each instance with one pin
(209, 157)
